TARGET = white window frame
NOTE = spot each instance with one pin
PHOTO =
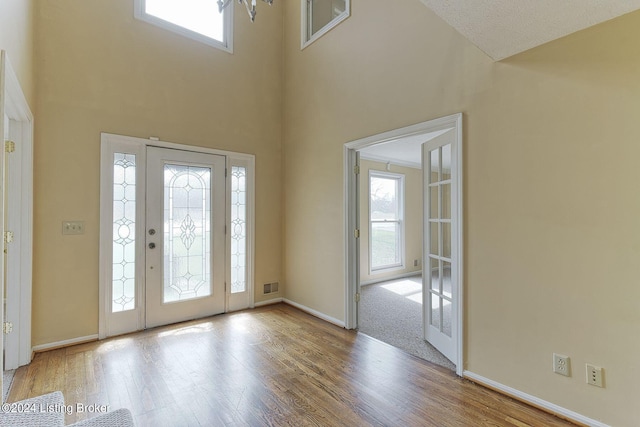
(128, 321)
(226, 45)
(400, 221)
(306, 37)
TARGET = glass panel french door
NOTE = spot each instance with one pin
(441, 248)
(185, 236)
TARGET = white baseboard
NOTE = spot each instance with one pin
(533, 401)
(268, 302)
(316, 313)
(64, 343)
(394, 277)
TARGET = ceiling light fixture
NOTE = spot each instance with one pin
(251, 10)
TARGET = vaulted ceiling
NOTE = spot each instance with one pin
(502, 28)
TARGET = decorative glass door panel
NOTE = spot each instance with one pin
(185, 235)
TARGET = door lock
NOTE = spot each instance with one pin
(152, 232)
(152, 245)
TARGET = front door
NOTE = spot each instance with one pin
(185, 236)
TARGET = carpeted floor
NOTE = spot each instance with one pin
(392, 312)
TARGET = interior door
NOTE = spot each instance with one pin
(185, 236)
(441, 227)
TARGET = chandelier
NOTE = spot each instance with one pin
(251, 10)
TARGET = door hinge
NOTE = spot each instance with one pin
(7, 327)
(8, 236)
(356, 233)
(9, 146)
(356, 169)
(357, 296)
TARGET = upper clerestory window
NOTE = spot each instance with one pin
(199, 20)
(320, 16)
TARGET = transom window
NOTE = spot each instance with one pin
(200, 20)
(386, 211)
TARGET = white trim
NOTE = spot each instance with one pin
(20, 213)
(140, 13)
(315, 313)
(390, 278)
(532, 400)
(304, 23)
(351, 223)
(64, 343)
(426, 128)
(268, 302)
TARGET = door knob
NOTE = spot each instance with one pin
(152, 245)
(152, 232)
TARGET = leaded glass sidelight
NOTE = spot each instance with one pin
(124, 223)
(187, 232)
(238, 229)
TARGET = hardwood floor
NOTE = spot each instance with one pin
(270, 366)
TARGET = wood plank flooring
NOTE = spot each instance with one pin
(273, 366)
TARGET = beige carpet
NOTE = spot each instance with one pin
(392, 312)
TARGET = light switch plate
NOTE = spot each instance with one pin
(72, 227)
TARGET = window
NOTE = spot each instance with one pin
(197, 19)
(320, 16)
(386, 234)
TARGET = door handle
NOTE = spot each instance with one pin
(152, 245)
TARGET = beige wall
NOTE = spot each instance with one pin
(100, 70)
(412, 219)
(551, 259)
(16, 38)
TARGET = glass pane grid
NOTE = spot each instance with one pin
(238, 229)
(123, 276)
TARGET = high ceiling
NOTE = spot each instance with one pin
(502, 28)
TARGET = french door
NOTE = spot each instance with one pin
(441, 245)
(185, 236)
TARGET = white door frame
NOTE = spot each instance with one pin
(138, 145)
(351, 221)
(19, 213)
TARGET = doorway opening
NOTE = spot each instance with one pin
(404, 241)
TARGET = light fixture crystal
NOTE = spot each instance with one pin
(251, 9)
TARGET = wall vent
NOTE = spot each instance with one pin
(270, 288)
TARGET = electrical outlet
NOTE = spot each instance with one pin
(562, 364)
(594, 375)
